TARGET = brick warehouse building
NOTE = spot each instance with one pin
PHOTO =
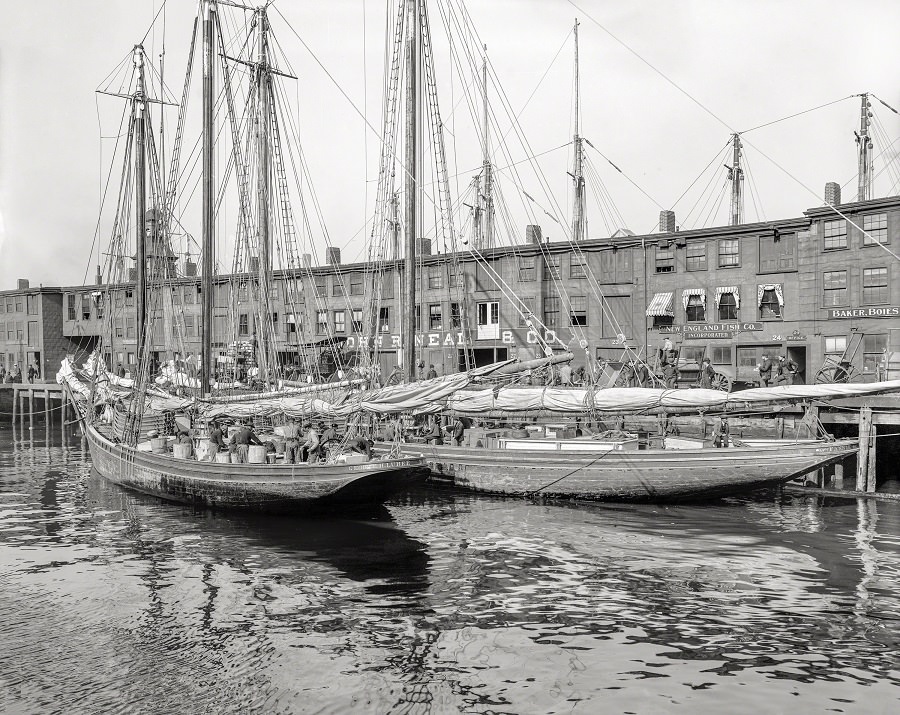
(811, 287)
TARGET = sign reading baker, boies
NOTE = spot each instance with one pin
(875, 311)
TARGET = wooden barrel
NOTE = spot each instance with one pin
(223, 457)
(235, 459)
(182, 451)
(257, 454)
(279, 446)
(158, 445)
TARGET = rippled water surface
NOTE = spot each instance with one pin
(441, 602)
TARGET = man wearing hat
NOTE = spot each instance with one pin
(242, 439)
(765, 371)
(706, 374)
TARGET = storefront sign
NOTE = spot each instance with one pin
(886, 311)
(795, 338)
(731, 328)
(711, 335)
(387, 341)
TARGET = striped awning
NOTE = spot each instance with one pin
(734, 290)
(688, 292)
(661, 305)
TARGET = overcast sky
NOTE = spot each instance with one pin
(743, 63)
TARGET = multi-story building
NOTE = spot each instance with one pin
(31, 329)
(814, 288)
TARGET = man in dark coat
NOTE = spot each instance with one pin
(765, 371)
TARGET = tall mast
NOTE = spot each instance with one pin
(866, 164)
(411, 188)
(736, 175)
(140, 202)
(262, 194)
(579, 223)
(209, 259)
(487, 211)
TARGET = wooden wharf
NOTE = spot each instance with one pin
(26, 401)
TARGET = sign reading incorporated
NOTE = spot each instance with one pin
(885, 311)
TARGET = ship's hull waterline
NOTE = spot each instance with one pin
(628, 475)
(252, 487)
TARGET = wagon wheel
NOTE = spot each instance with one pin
(721, 382)
(835, 374)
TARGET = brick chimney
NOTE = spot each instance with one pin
(833, 193)
(667, 222)
(533, 234)
(332, 256)
(23, 283)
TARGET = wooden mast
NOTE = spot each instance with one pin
(209, 259)
(411, 189)
(140, 204)
(487, 213)
(578, 220)
(262, 191)
(736, 174)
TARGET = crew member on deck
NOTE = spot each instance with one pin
(241, 441)
(291, 442)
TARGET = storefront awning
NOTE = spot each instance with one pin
(688, 292)
(733, 290)
(661, 305)
(779, 293)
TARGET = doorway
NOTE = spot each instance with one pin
(797, 353)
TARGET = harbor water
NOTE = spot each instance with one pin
(441, 602)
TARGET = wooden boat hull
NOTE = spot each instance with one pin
(641, 475)
(252, 487)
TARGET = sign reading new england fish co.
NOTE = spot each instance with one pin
(696, 331)
(883, 311)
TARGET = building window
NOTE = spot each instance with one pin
(337, 286)
(527, 311)
(356, 323)
(835, 287)
(527, 268)
(129, 326)
(578, 311)
(129, 297)
(321, 283)
(243, 324)
(721, 355)
(729, 253)
(340, 324)
(243, 292)
(384, 320)
(728, 306)
(189, 295)
(615, 266)
(577, 265)
(434, 317)
(189, 331)
(835, 233)
(771, 301)
(665, 260)
(874, 348)
(418, 316)
(455, 315)
(551, 270)
(875, 227)
(85, 306)
(435, 277)
(31, 304)
(777, 252)
(695, 258)
(131, 358)
(100, 300)
(835, 346)
(551, 312)
(695, 309)
(487, 319)
(70, 302)
(874, 286)
(321, 322)
(120, 329)
(356, 284)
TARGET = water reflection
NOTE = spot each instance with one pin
(440, 602)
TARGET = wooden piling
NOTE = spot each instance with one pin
(838, 480)
(862, 458)
(22, 408)
(15, 403)
(46, 406)
(871, 472)
(31, 408)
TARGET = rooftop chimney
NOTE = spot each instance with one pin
(332, 256)
(533, 234)
(23, 284)
(99, 277)
(833, 193)
(423, 247)
(667, 222)
(306, 260)
(190, 268)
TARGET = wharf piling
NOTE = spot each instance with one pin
(21, 401)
